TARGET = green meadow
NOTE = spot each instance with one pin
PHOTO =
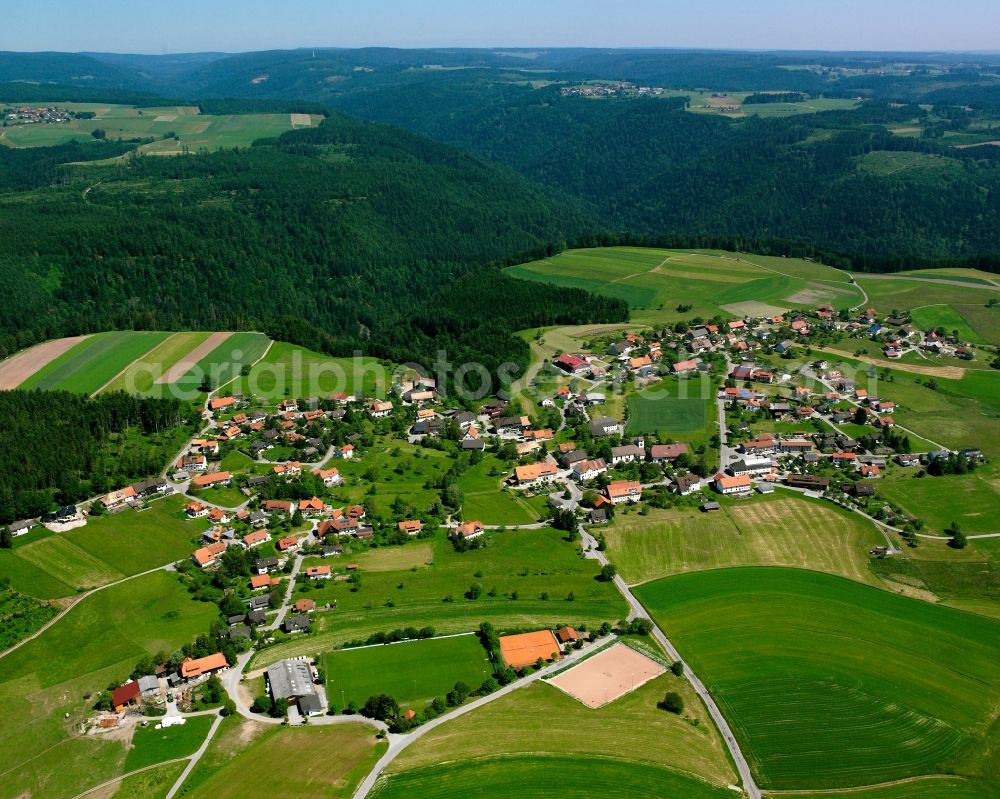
(832, 684)
(412, 672)
(292, 371)
(97, 642)
(947, 318)
(151, 746)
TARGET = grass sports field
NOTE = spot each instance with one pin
(654, 282)
(247, 758)
(829, 683)
(783, 529)
(413, 672)
(541, 721)
(93, 362)
(193, 131)
(530, 573)
(94, 644)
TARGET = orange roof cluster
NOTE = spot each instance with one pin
(535, 471)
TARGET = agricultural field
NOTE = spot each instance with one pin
(673, 406)
(539, 723)
(317, 760)
(915, 290)
(948, 318)
(821, 677)
(412, 672)
(92, 363)
(153, 783)
(192, 130)
(654, 282)
(783, 529)
(291, 371)
(154, 368)
(544, 776)
(224, 364)
(938, 787)
(531, 574)
(107, 548)
(98, 641)
(705, 101)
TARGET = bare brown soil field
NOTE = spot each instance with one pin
(19, 368)
(947, 372)
(608, 675)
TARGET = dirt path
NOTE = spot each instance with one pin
(947, 372)
(20, 367)
(189, 361)
(940, 280)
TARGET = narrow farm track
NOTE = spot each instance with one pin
(638, 611)
(193, 760)
(109, 783)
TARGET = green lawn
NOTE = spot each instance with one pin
(431, 591)
(399, 469)
(543, 776)
(484, 500)
(821, 677)
(292, 371)
(60, 672)
(151, 746)
(412, 672)
(247, 759)
(665, 414)
(85, 368)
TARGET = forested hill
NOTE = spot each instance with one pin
(354, 228)
(840, 181)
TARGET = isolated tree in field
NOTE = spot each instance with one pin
(677, 668)
(475, 591)
(608, 572)
(958, 539)
(99, 133)
(673, 702)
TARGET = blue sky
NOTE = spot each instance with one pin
(239, 25)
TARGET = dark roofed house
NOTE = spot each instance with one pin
(296, 624)
(257, 617)
(238, 631)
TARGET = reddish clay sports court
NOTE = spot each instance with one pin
(608, 675)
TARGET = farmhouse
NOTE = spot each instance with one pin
(589, 469)
(661, 453)
(411, 527)
(330, 477)
(117, 500)
(221, 403)
(525, 649)
(468, 530)
(288, 543)
(379, 410)
(213, 479)
(570, 364)
(319, 572)
(738, 486)
(685, 367)
(533, 473)
(604, 426)
(624, 491)
(627, 453)
(687, 484)
(125, 695)
(278, 506)
(193, 668)
(808, 481)
(296, 624)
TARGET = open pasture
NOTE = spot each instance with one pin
(291, 371)
(832, 684)
(526, 577)
(98, 641)
(412, 672)
(540, 721)
(192, 131)
(971, 500)
(89, 365)
(150, 745)
(781, 530)
(484, 500)
(654, 282)
(648, 414)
